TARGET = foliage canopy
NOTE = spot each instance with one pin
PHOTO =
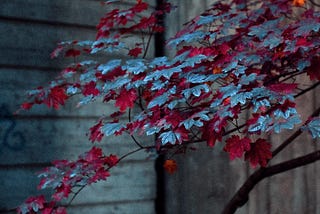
(237, 57)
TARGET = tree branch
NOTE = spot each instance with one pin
(242, 195)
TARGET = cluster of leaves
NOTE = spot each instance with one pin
(236, 57)
(67, 176)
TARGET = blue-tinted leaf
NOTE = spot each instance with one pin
(87, 62)
(189, 37)
(118, 83)
(230, 67)
(280, 114)
(313, 127)
(152, 130)
(173, 104)
(109, 66)
(196, 78)
(260, 103)
(229, 90)
(203, 115)
(181, 57)
(196, 90)
(203, 20)
(191, 61)
(88, 76)
(240, 98)
(302, 64)
(167, 73)
(157, 85)
(160, 100)
(72, 90)
(261, 125)
(288, 124)
(85, 100)
(188, 123)
(135, 66)
(306, 26)
(246, 80)
(240, 70)
(262, 30)
(111, 128)
(272, 41)
(159, 61)
(168, 137)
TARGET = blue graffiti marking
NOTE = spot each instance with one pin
(11, 139)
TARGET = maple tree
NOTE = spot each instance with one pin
(236, 57)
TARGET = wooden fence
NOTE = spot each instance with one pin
(29, 31)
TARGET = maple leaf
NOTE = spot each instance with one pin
(90, 89)
(170, 166)
(259, 153)
(313, 70)
(135, 52)
(283, 88)
(56, 97)
(236, 146)
(26, 105)
(126, 99)
(101, 174)
(72, 53)
(93, 154)
(139, 7)
(62, 191)
(111, 160)
(95, 132)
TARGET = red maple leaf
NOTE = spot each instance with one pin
(62, 191)
(126, 99)
(283, 88)
(111, 160)
(236, 146)
(170, 166)
(135, 52)
(56, 97)
(111, 75)
(95, 132)
(259, 153)
(93, 154)
(90, 89)
(26, 106)
(72, 53)
(313, 70)
(101, 174)
(139, 7)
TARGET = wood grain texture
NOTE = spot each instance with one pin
(30, 30)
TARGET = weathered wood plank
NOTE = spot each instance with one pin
(128, 181)
(81, 12)
(31, 45)
(203, 183)
(44, 140)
